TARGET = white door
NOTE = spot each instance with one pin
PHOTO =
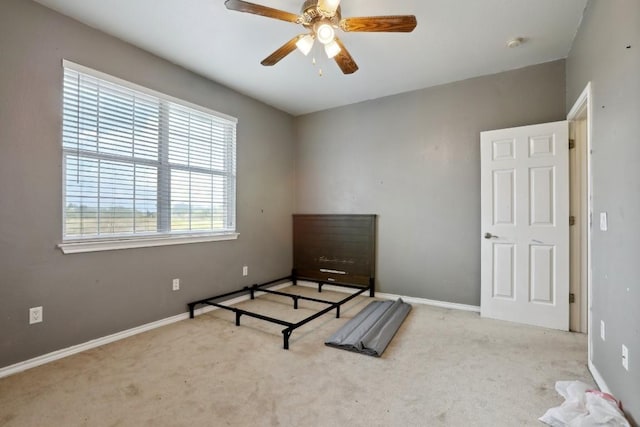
(525, 225)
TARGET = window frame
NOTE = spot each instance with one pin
(158, 238)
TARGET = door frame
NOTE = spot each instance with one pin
(583, 110)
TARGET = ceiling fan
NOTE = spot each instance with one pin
(321, 18)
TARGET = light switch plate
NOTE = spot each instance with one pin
(603, 221)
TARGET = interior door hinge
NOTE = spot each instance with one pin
(572, 220)
(572, 144)
(572, 298)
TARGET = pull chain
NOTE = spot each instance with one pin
(318, 63)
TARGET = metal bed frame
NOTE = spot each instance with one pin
(327, 249)
(290, 327)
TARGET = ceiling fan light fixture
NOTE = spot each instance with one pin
(332, 49)
(321, 19)
(305, 43)
(324, 31)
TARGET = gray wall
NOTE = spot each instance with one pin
(86, 296)
(600, 55)
(414, 159)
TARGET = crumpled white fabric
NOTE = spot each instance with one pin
(584, 407)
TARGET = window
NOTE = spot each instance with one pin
(142, 166)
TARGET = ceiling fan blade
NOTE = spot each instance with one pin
(397, 23)
(281, 52)
(245, 6)
(344, 59)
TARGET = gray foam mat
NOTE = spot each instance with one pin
(371, 330)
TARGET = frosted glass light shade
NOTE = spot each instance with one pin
(329, 6)
(332, 49)
(305, 44)
(325, 32)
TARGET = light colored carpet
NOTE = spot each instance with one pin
(444, 367)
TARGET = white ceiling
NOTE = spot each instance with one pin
(454, 40)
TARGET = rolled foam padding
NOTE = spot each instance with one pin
(371, 330)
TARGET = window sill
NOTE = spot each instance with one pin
(111, 245)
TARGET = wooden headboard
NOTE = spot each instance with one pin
(335, 248)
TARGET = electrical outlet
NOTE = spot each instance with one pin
(602, 330)
(176, 284)
(35, 315)
(245, 270)
(625, 357)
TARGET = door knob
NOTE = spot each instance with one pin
(489, 236)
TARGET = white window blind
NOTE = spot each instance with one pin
(138, 163)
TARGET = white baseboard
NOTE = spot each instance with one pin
(65, 352)
(414, 300)
(602, 385)
(435, 303)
